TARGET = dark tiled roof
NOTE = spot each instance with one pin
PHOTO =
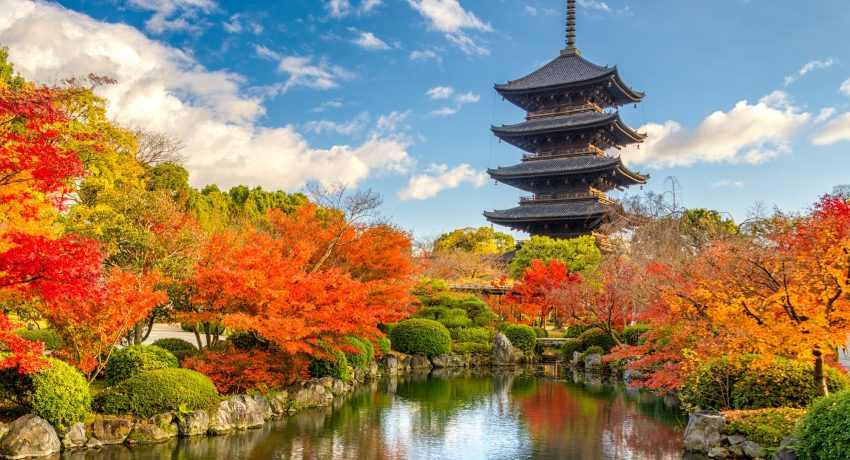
(578, 163)
(562, 70)
(549, 211)
(576, 120)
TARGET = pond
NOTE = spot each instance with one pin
(452, 415)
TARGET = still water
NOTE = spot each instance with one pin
(452, 415)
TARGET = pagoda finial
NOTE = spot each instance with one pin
(571, 49)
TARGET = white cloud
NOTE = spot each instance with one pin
(368, 40)
(834, 131)
(595, 5)
(530, 10)
(467, 98)
(173, 15)
(449, 17)
(303, 71)
(237, 24)
(845, 87)
(810, 67)
(392, 123)
(425, 55)
(726, 183)
(338, 8)
(825, 114)
(440, 92)
(751, 133)
(161, 88)
(327, 105)
(369, 5)
(352, 127)
(444, 112)
(438, 178)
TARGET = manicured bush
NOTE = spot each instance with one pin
(540, 332)
(449, 317)
(335, 366)
(710, 386)
(596, 337)
(521, 337)
(59, 394)
(177, 347)
(632, 334)
(767, 427)
(569, 347)
(782, 383)
(420, 335)
(158, 391)
(387, 329)
(573, 332)
(49, 337)
(824, 432)
(594, 350)
(472, 334)
(480, 313)
(243, 340)
(384, 345)
(135, 359)
(359, 360)
(471, 348)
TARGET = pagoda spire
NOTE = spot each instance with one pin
(571, 49)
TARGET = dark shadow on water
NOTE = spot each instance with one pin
(452, 414)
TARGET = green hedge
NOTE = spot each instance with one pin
(471, 348)
(49, 337)
(472, 334)
(155, 392)
(59, 394)
(824, 432)
(767, 427)
(521, 336)
(135, 359)
(573, 332)
(595, 337)
(177, 347)
(384, 344)
(632, 334)
(243, 340)
(594, 350)
(335, 366)
(366, 352)
(540, 332)
(569, 346)
(449, 317)
(420, 335)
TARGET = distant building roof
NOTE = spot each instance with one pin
(568, 123)
(567, 210)
(572, 165)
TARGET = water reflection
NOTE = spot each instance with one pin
(452, 414)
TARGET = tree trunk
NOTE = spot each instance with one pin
(150, 327)
(197, 336)
(137, 334)
(819, 378)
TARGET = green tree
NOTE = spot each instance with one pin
(482, 240)
(578, 254)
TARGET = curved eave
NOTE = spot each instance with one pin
(619, 91)
(508, 132)
(548, 212)
(636, 177)
(502, 176)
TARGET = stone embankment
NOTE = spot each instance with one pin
(706, 434)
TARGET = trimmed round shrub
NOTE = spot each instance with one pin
(471, 348)
(540, 332)
(243, 340)
(569, 347)
(521, 336)
(824, 432)
(594, 350)
(632, 334)
(177, 347)
(472, 334)
(387, 329)
(384, 345)
(59, 394)
(573, 332)
(449, 317)
(767, 427)
(49, 337)
(335, 366)
(360, 359)
(782, 383)
(418, 335)
(135, 359)
(155, 392)
(710, 386)
(596, 337)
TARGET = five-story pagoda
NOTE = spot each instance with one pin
(571, 121)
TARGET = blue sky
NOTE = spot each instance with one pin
(747, 101)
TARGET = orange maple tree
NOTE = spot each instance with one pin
(538, 294)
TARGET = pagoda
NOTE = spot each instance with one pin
(571, 121)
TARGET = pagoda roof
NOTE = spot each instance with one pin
(565, 210)
(571, 165)
(571, 70)
(568, 123)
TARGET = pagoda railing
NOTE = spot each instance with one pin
(585, 150)
(549, 197)
(564, 110)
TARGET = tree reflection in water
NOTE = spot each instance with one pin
(500, 414)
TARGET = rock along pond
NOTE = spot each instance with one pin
(451, 415)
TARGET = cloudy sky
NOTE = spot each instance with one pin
(748, 101)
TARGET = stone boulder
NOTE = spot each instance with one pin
(29, 436)
(390, 364)
(159, 428)
(372, 370)
(340, 388)
(593, 362)
(279, 403)
(237, 413)
(3, 429)
(719, 452)
(74, 436)
(111, 430)
(311, 393)
(751, 449)
(503, 351)
(263, 406)
(786, 450)
(441, 361)
(420, 362)
(576, 359)
(704, 431)
(194, 424)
